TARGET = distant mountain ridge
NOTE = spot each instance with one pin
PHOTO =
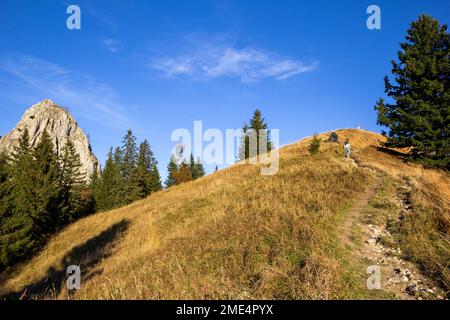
(60, 125)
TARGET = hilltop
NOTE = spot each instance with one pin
(307, 232)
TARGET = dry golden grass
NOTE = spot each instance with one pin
(233, 234)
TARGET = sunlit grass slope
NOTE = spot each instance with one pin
(233, 234)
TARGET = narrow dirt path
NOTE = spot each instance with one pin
(368, 251)
(356, 211)
(399, 278)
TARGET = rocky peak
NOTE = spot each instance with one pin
(60, 125)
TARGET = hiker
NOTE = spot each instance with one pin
(347, 148)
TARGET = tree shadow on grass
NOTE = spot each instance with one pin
(86, 256)
(392, 152)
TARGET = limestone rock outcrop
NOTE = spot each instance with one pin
(60, 125)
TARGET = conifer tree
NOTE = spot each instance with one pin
(130, 154)
(418, 113)
(172, 168)
(257, 123)
(196, 167)
(22, 170)
(17, 234)
(6, 206)
(117, 157)
(192, 167)
(146, 166)
(5, 186)
(76, 193)
(131, 187)
(119, 166)
(36, 184)
(130, 173)
(96, 186)
(155, 179)
(107, 192)
(244, 143)
(48, 201)
(199, 169)
(71, 166)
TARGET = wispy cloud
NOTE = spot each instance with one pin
(112, 45)
(247, 64)
(81, 93)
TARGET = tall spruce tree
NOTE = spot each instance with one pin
(155, 179)
(117, 157)
(95, 185)
(121, 188)
(108, 187)
(199, 170)
(419, 115)
(130, 173)
(257, 124)
(76, 194)
(196, 167)
(18, 234)
(5, 187)
(192, 166)
(130, 153)
(172, 169)
(6, 207)
(129, 168)
(35, 183)
(48, 200)
(71, 166)
(23, 194)
(146, 167)
(244, 151)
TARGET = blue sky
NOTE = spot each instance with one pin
(155, 66)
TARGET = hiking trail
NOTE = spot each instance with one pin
(399, 277)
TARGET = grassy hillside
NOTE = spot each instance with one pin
(238, 234)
